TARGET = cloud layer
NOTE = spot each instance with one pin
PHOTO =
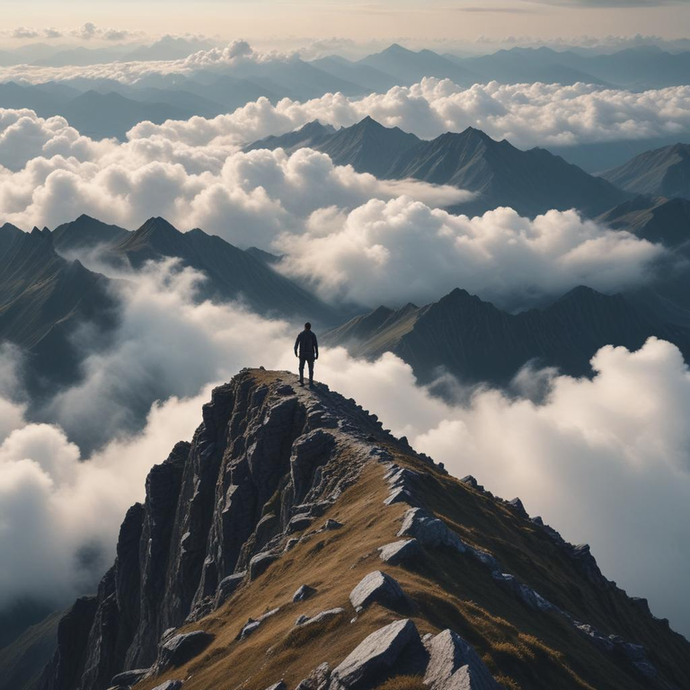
(605, 460)
(401, 250)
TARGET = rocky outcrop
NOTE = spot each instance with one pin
(403, 551)
(377, 587)
(396, 646)
(217, 507)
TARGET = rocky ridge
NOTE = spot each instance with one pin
(256, 561)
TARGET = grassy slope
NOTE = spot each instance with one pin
(524, 648)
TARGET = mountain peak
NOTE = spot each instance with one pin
(286, 489)
(159, 227)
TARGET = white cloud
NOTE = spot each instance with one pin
(604, 461)
(401, 250)
(53, 174)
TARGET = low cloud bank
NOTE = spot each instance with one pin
(53, 174)
(604, 460)
(399, 251)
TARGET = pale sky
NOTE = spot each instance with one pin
(420, 20)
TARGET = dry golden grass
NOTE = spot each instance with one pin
(523, 648)
(404, 683)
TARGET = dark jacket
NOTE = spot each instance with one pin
(306, 345)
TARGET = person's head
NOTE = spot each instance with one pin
(307, 326)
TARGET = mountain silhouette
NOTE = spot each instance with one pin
(661, 172)
(531, 182)
(477, 342)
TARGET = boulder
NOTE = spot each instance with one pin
(429, 530)
(376, 587)
(304, 592)
(298, 523)
(389, 649)
(455, 665)
(317, 679)
(402, 551)
(253, 623)
(181, 648)
(332, 524)
(260, 563)
(129, 677)
(227, 587)
(169, 685)
(319, 617)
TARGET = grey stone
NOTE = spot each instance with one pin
(331, 524)
(129, 677)
(290, 544)
(376, 587)
(317, 679)
(429, 530)
(228, 585)
(253, 623)
(455, 665)
(319, 617)
(375, 656)
(260, 563)
(304, 592)
(518, 507)
(398, 495)
(299, 522)
(181, 648)
(402, 551)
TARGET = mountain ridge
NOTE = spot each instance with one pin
(283, 510)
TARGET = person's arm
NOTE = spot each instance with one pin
(296, 345)
(316, 347)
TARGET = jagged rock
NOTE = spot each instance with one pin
(377, 587)
(290, 544)
(280, 685)
(317, 679)
(331, 524)
(180, 649)
(227, 587)
(394, 647)
(454, 665)
(471, 481)
(298, 523)
(308, 453)
(399, 495)
(429, 531)
(485, 558)
(319, 617)
(286, 389)
(523, 592)
(253, 623)
(129, 677)
(304, 592)
(518, 507)
(259, 563)
(537, 521)
(402, 551)
(169, 685)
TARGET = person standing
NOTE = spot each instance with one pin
(307, 349)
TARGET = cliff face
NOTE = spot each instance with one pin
(399, 570)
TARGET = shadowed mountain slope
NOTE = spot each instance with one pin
(531, 182)
(294, 539)
(232, 273)
(661, 172)
(44, 297)
(476, 342)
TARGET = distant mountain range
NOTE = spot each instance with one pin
(44, 295)
(531, 182)
(662, 172)
(207, 93)
(476, 342)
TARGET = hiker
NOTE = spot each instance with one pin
(307, 349)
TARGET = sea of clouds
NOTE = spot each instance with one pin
(604, 460)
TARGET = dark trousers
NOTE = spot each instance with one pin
(310, 361)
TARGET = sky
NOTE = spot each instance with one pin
(424, 20)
